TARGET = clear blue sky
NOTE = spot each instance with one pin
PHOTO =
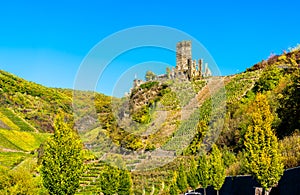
(46, 41)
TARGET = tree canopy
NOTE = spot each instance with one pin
(203, 172)
(182, 179)
(262, 156)
(217, 168)
(62, 164)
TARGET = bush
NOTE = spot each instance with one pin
(268, 80)
(228, 157)
(142, 115)
(290, 150)
(19, 181)
(149, 85)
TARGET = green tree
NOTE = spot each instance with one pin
(182, 179)
(109, 180)
(192, 177)
(217, 168)
(125, 186)
(289, 104)
(203, 172)
(173, 189)
(268, 80)
(150, 75)
(262, 156)
(18, 181)
(62, 164)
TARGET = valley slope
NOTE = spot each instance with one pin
(177, 117)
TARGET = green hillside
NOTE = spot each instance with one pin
(277, 78)
(14, 122)
(23, 141)
(29, 105)
(179, 117)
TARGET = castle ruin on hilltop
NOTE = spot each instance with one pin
(185, 65)
(186, 68)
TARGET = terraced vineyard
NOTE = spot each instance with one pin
(23, 141)
(88, 183)
(14, 122)
(17, 139)
(199, 107)
(15, 146)
(240, 85)
(154, 182)
(12, 159)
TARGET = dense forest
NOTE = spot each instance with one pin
(243, 124)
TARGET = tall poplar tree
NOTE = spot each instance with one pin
(125, 183)
(217, 169)
(173, 189)
(62, 164)
(109, 180)
(262, 156)
(203, 172)
(192, 177)
(113, 180)
(182, 179)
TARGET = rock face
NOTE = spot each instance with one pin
(144, 96)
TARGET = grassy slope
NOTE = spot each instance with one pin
(15, 146)
(25, 109)
(26, 115)
(31, 106)
(8, 117)
(23, 141)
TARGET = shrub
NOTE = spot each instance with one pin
(290, 150)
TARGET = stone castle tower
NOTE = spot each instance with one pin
(185, 66)
(183, 55)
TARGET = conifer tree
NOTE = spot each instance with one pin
(173, 189)
(192, 177)
(109, 180)
(125, 183)
(62, 163)
(203, 172)
(182, 179)
(262, 156)
(113, 180)
(217, 168)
